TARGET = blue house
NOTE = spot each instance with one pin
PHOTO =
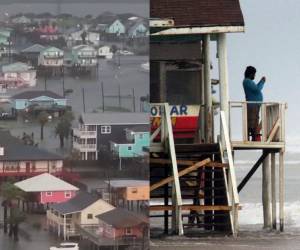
(45, 100)
(137, 138)
(116, 27)
(137, 30)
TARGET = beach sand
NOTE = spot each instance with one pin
(246, 240)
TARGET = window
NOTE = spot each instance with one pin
(105, 129)
(48, 194)
(68, 194)
(128, 231)
(129, 148)
(141, 136)
(91, 141)
(90, 216)
(134, 190)
(53, 164)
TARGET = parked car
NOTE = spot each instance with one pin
(66, 246)
(125, 52)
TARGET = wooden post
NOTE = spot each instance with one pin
(273, 187)
(281, 190)
(223, 77)
(162, 81)
(65, 228)
(133, 100)
(266, 192)
(207, 87)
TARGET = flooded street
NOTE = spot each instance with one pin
(129, 76)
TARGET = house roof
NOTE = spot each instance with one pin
(51, 48)
(83, 47)
(16, 150)
(45, 182)
(198, 13)
(16, 67)
(122, 218)
(36, 93)
(127, 183)
(81, 201)
(115, 118)
(140, 128)
(35, 48)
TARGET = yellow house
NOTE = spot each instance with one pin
(66, 218)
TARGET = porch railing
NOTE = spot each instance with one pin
(271, 125)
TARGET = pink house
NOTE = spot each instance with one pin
(49, 189)
(120, 223)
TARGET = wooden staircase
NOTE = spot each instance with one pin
(194, 184)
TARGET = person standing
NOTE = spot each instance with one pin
(253, 93)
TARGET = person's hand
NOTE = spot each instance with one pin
(263, 79)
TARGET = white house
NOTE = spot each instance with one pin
(21, 20)
(105, 52)
(136, 30)
(84, 55)
(76, 37)
(52, 57)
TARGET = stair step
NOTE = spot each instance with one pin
(197, 147)
(192, 207)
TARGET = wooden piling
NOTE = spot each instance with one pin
(266, 192)
(281, 190)
(273, 188)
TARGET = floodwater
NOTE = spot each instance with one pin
(128, 76)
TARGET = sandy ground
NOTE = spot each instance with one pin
(254, 239)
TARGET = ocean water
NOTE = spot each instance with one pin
(251, 195)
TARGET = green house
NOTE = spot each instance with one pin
(133, 145)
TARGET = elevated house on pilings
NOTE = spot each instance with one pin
(192, 174)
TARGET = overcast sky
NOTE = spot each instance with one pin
(271, 43)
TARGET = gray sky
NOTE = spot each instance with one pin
(271, 43)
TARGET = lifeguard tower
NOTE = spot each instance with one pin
(192, 170)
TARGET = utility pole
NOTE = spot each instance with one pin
(119, 96)
(102, 92)
(45, 82)
(63, 82)
(83, 100)
(133, 100)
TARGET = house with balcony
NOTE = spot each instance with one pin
(120, 223)
(51, 60)
(68, 217)
(19, 160)
(48, 188)
(84, 56)
(133, 143)
(17, 75)
(96, 131)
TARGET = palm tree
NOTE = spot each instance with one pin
(10, 194)
(43, 119)
(64, 127)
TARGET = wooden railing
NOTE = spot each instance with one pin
(166, 143)
(230, 180)
(271, 125)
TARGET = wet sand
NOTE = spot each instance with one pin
(246, 240)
